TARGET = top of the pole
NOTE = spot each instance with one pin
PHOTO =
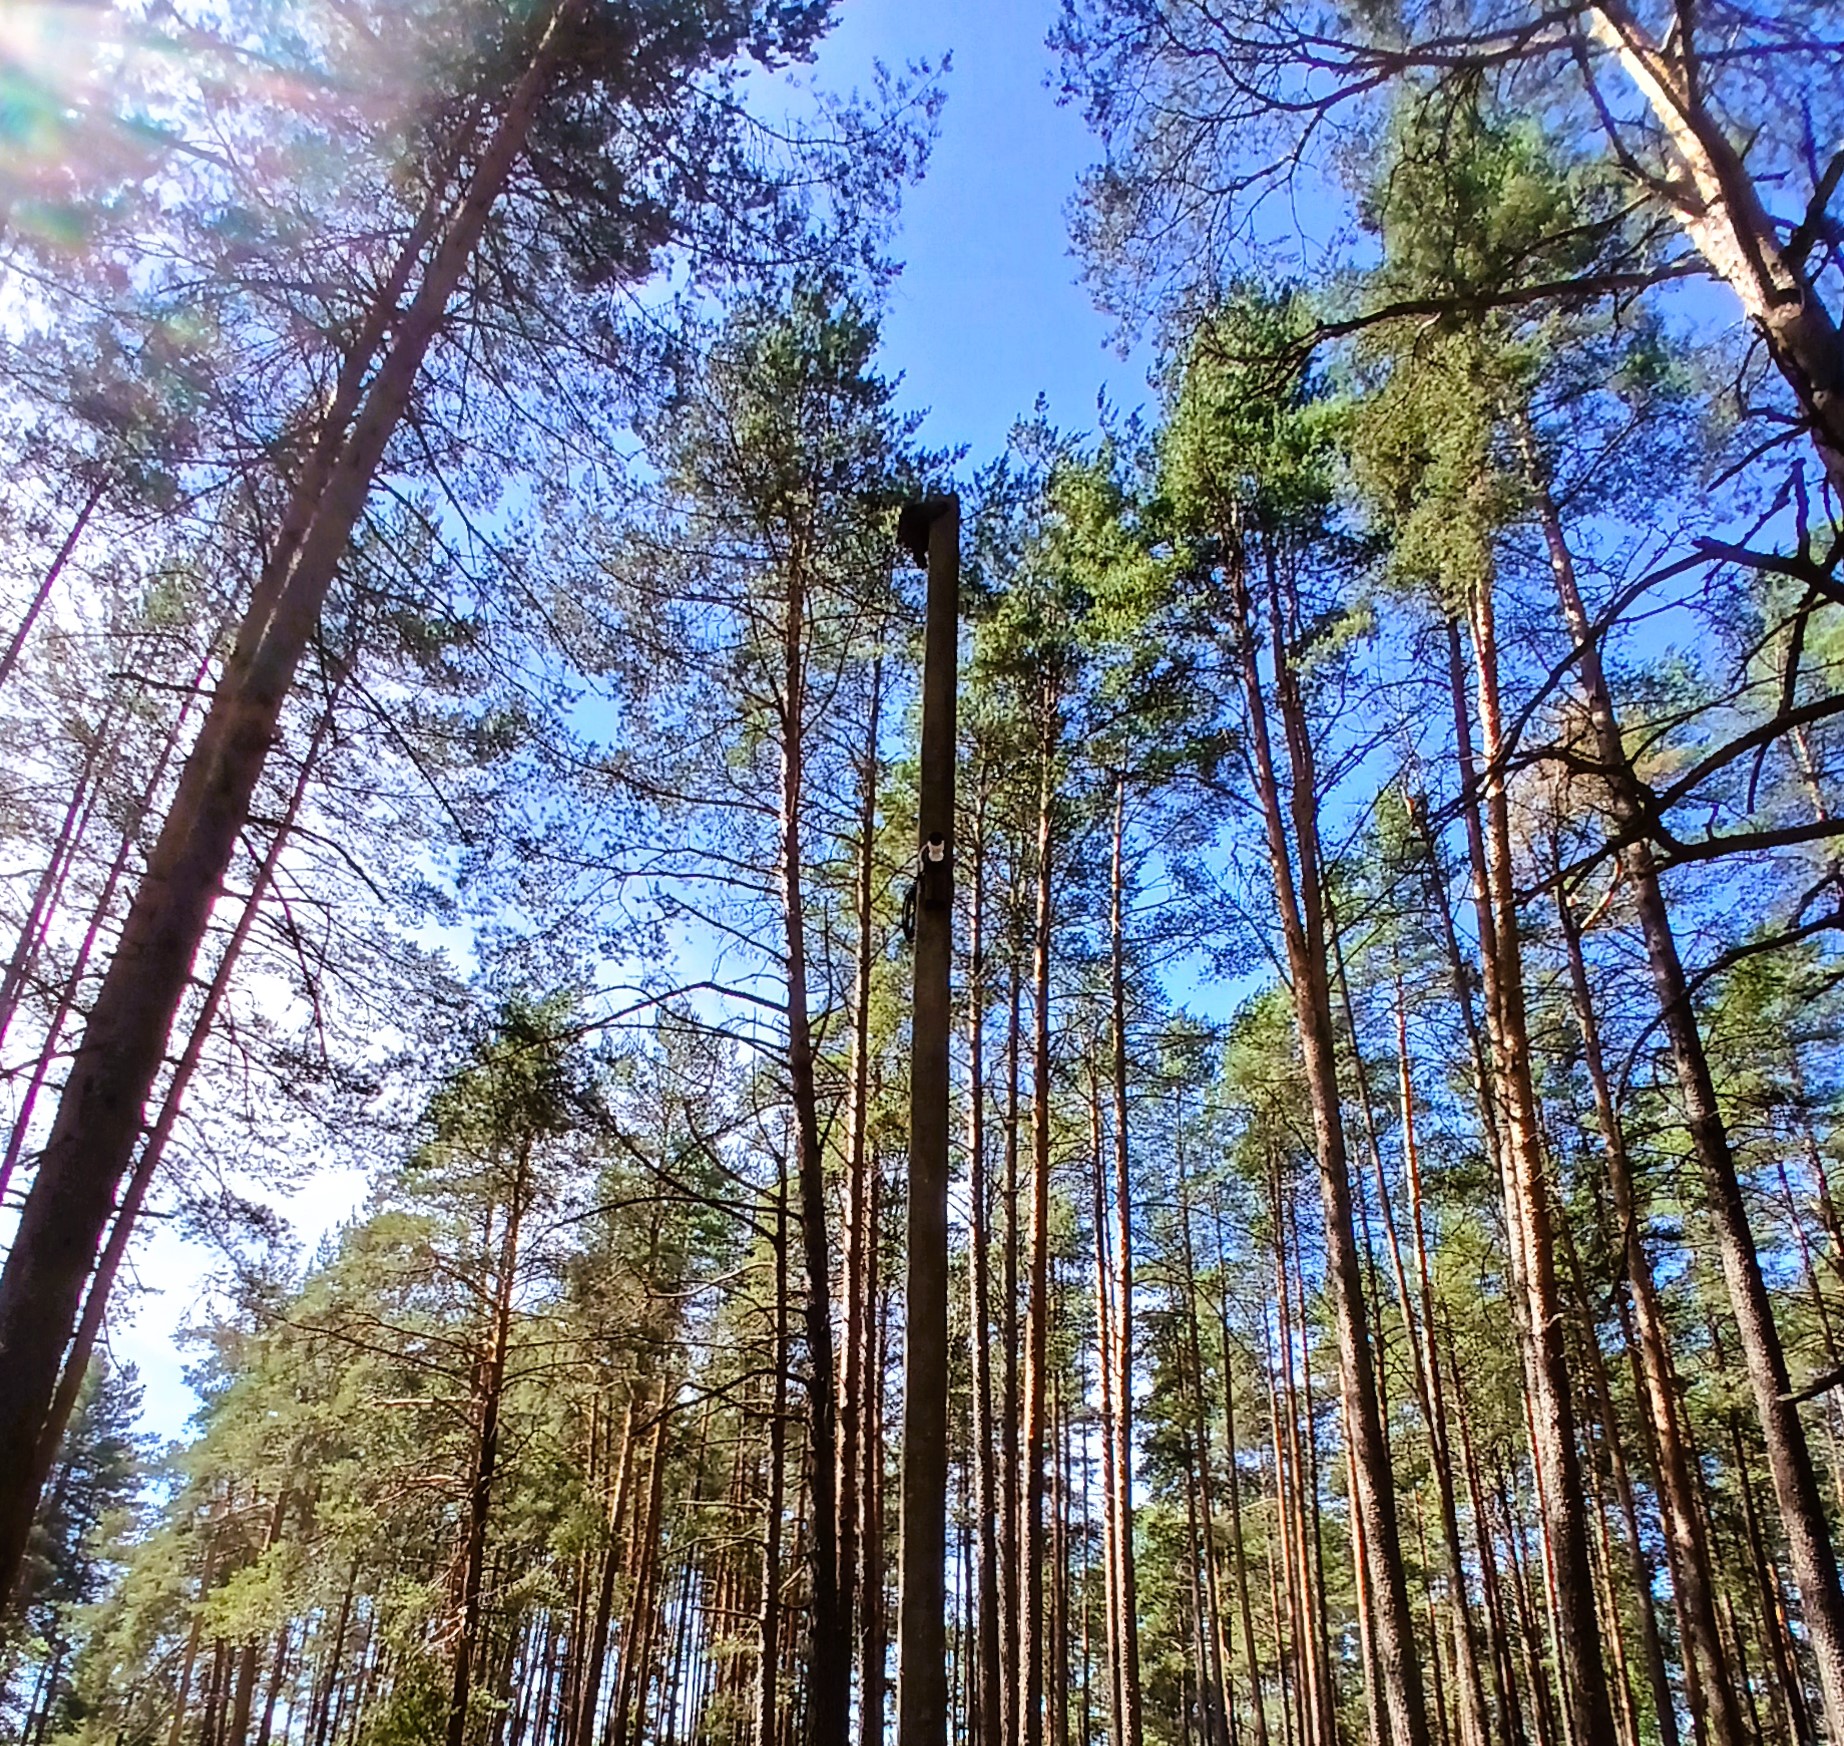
(916, 518)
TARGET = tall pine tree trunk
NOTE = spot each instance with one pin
(99, 1115)
(1031, 1637)
(489, 1391)
(1011, 1586)
(1475, 1721)
(1104, 1381)
(1233, 1489)
(979, 1320)
(829, 1631)
(1120, 1505)
(595, 1651)
(768, 1656)
(1693, 1583)
(1303, 925)
(857, 1165)
(1550, 1404)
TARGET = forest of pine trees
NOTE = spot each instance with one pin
(460, 687)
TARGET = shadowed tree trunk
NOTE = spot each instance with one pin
(768, 1702)
(829, 1634)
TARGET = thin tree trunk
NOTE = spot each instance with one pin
(1234, 1488)
(871, 1706)
(1031, 1646)
(1299, 1569)
(490, 1391)
(47, 890)
(277, 1669)
(1523, 1608)
(42, 594)
(1206, 1673)
(639, 1646)
(768, 1703)
(1280, 1559)
(857, 1187)
(1105, 1352)
(1777, 1638)
(829, 1632)
(1011, 1586)
(190, 1658)
(1312, 1537)
(595, 1653)
(1476, 1723)
(979, 1276)
(1504, 1672)
(1057, 1690)
(1639, 1563)
(1121, 1504)
(1366, 1646)
(1212, 1623)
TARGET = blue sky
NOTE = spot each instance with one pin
(988, 312)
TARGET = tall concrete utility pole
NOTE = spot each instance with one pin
(930, 532)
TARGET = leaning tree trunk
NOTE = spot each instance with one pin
(99, 1116)
(1722, 212)
(115, 1249)
(9, 657)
